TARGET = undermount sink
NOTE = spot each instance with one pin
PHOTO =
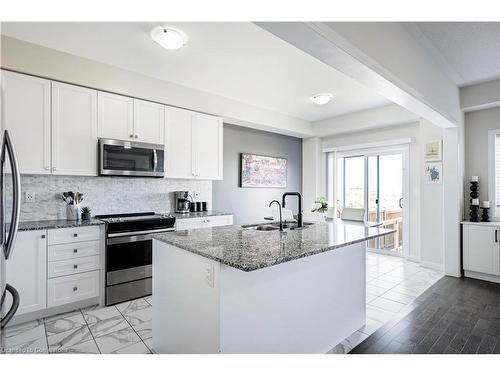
(275, 226)
(265, 228)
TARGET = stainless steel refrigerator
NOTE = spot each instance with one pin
(10, 203)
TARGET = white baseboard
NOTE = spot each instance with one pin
(482, 276)
(432, 265)
(413, 259)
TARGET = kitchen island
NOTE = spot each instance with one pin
(240, 290)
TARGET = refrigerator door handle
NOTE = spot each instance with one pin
(8, 147)
(13, 309)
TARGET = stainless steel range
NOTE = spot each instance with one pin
(129, 253)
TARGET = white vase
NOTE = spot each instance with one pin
(73, 212)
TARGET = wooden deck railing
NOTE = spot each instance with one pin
(390, 219)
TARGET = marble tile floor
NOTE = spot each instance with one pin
(392, 283)
(124, 328)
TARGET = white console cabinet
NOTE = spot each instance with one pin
(481, 250)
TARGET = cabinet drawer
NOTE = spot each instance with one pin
(217, 221)
(76, 234)
(186, 224)
(73, 266)
(68, 289)
(73, 250)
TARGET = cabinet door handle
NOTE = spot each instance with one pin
(43, 235)
(75, 234)
(75, 251)
(75, 288)
(496, 235)
(75, 266)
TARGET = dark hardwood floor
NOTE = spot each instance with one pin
(452, 316)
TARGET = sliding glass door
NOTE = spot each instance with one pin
(374, 181)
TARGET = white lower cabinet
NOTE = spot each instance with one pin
(72, 266)
(73, 250)
(481, 248)
(73, 235)
(68, 289)
(54, 267)
(26, 271)
(203, 222)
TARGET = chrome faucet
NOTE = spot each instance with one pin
(279, 205)
(299, 214)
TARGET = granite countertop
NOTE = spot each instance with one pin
(191, 215)
(56, 224)
(248, 249)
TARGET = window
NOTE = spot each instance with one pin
(494, 172)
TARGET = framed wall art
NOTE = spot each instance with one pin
(261, 171)
(434, 150)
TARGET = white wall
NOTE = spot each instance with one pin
(432, 206)
(389, 115)
(33, 59)
(480, 96)
(313, 172)
(391, 133)
(432, 229)
(477, 125)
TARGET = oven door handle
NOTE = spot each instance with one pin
(117, 238)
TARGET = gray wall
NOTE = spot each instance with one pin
(477, 124)
(105, 195)
(250, 205)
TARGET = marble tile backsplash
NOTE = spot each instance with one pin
(105, 195)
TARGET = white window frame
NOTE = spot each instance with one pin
(492, 134)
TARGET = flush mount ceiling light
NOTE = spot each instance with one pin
(321, 99)
(168, 37)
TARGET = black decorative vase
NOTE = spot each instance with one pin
(474, 194)
(485, 217)
(474, 213)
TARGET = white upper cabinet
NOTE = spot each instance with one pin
(179, 161)
(115, 116)
(27, 270)
(149, 121)
(208, 145)
(26, 115)
(193, 145)
(121, 117)
(74, 130)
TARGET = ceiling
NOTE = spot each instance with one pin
(468, 51)
(236, 60)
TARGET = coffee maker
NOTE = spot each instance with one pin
(183, 201)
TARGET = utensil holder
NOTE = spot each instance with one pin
(73, 212)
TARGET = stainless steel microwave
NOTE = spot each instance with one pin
(124, 158)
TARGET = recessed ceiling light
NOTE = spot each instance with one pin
(168, 37)
(321, 99)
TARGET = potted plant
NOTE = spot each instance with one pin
(320, 205)
(86, 213)
(319, 209)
